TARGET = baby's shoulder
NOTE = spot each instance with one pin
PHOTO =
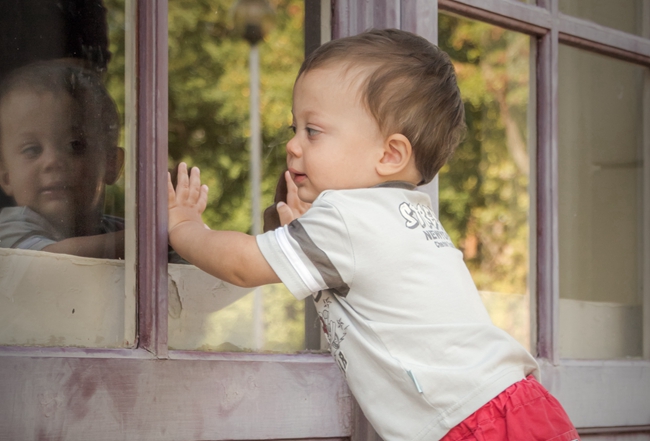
(20, 213)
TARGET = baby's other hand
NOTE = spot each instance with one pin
(188, 201)
(294, 208)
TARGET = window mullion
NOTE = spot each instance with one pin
(546, 189)
(593, 37)
(646, 192)
(421, 17)
(151, 175)
(515, 16)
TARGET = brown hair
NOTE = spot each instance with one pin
(410, 88)
(83, 85)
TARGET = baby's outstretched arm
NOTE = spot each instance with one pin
(229, 255)
(106, 246)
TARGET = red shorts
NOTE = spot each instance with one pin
(525, 411)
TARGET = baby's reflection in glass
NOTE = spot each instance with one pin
(59, 130)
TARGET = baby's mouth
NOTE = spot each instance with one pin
(297, 177)
(55, 191)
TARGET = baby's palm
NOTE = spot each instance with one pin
(188, 201)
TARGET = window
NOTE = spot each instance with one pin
(616, 405)
(73, 389)
(589, 175)
(587, 73)
(484, 189)
(146, 389)
(210, 127)
(601, 213)
(63, 149)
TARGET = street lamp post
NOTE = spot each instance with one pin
(253, 19)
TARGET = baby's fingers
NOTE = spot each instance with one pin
(182, 182)
(203, 198)
(293, 200)
(285, 213)
(194, 186)
(171, 194)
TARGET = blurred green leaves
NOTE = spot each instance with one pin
(209, 101)
(484, 197)
(209, 98)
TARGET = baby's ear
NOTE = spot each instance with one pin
(114, 164)
(396, 155)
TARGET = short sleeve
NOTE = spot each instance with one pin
(312, 253)
(24, 229)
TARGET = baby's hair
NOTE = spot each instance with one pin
(83, 85)
(408, 85)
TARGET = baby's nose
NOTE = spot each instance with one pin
(293, 147)
(54, 157)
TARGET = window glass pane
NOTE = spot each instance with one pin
(624, 15)
(62, 152)
(209, 102)
(484, 189)
(601, 203)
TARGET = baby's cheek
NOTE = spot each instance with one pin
(90, 165)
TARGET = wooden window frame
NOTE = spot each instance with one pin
(150, 392)
(614, 385)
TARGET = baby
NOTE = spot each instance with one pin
(375, 115)
(58, 151)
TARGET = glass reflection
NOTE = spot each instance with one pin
(59, 129)
(62, 75)
(484, 190)
(58, 150)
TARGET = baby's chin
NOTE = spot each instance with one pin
(306, 197)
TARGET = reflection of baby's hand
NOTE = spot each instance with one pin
(188, 201)
(294, 208)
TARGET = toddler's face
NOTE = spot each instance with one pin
(48, 164)
(337, 142)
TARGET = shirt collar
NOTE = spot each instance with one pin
(397, 184)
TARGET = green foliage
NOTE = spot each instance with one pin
(209, 101)
(114, 81)
(484, 196)
(114, 78)
(209, 128)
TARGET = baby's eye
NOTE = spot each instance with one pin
(292, 128)
(77, 147)
(31, 151)
(312, 132)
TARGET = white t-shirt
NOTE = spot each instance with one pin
(23, 228)
(402, 315)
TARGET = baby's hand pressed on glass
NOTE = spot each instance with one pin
(229, 255)
(188, 202)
